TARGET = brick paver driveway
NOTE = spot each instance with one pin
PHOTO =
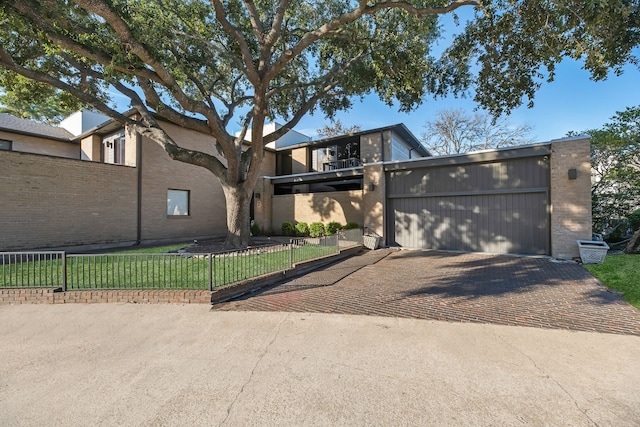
(506, 290)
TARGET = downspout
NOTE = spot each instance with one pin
(139, 196)
(382, 145)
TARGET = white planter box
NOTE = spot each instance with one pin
(592, 252)
(371, 242)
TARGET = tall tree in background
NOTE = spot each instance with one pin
(456, 132)
(336, 128)
(205, 64)
(615, 170)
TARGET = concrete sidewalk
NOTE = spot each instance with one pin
(126, 364)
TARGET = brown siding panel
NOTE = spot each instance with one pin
(498, 207)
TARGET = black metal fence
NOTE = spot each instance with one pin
(163, 271)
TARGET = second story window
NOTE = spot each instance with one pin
(5, 144)
(113, 147)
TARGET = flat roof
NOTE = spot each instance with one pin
(399, 128)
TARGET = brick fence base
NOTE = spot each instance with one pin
(56, 296)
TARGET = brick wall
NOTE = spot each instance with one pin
(207, 208)
(371, 148)
(54, 202)
(299, 160)
(339, 206)
(207, 213)
(35, 145)
(374, 199)
(570, 198)
(54, 296)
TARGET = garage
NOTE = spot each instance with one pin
(496, 201)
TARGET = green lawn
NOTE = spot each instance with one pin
(140, 269)
(622, 273)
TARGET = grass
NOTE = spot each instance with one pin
(140, 269)
(622, 273)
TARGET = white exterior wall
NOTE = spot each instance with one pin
(81, 121)
(290, 138)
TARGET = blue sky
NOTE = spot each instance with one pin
(571, 102)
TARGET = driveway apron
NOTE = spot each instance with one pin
(464, 287)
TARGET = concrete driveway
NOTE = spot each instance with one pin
(127, 364)
(460, 287)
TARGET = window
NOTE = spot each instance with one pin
(113, 148)
(177, 202)
(339, 156)
(5, 144)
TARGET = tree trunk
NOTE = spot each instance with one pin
(633, 247)
(238, 216)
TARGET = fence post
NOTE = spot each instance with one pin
(64, 272)
(210, 272)
(291, 253)
(337, 242)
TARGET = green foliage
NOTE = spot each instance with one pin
(351, 226)
(255, 229)
(333, 227)
(316, 229)
(634, 219)
(620, 272)
(287, 229)
(28, 99)
(327, 51)
(517, 45)
(615, 170)
(302, 229)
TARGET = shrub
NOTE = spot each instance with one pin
(287, 229)
(333, 227)
(351, 226)
(634, 219)
(316, 229)
(255, 229)
(302, 229)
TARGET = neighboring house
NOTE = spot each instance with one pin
(102, 185)
(31, 137)
(94, 183)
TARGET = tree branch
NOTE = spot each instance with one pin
(221, 17)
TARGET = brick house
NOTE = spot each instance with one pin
(92, 183)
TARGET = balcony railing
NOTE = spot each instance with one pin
(351, 162)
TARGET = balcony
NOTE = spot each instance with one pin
(351, 162)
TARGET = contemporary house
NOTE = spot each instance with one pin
(92, 182)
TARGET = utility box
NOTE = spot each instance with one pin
(370, 241)
(592, 252)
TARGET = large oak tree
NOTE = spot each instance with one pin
(208, 65)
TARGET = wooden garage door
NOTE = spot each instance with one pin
(498, 207)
